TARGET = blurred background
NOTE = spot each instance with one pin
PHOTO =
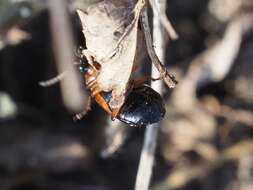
(205, 140)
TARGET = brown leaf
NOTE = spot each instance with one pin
(110, 29)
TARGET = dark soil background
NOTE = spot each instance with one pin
(209, 146)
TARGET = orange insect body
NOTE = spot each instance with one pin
(90, 73)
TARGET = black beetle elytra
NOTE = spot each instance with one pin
(143, 106)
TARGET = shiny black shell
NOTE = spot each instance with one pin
(143, 106)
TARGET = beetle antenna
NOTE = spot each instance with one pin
(53, 81)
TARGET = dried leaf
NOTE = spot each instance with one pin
(110, 29)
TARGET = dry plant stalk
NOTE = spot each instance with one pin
(150, 140)
(163, 19)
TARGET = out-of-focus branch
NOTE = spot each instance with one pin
(12, 15)
(73, 98)
(224, 10)
(8, 108)
(213, 64)
(218, 60)
(180, 176)
(147, 155)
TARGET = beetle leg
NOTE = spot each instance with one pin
(53, 81)
(140, 80)
(80, 115)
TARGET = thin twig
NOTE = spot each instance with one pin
(164, 20)
(167, 78)
(147, 155)
(147, 158)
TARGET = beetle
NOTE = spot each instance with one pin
(143, 105)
